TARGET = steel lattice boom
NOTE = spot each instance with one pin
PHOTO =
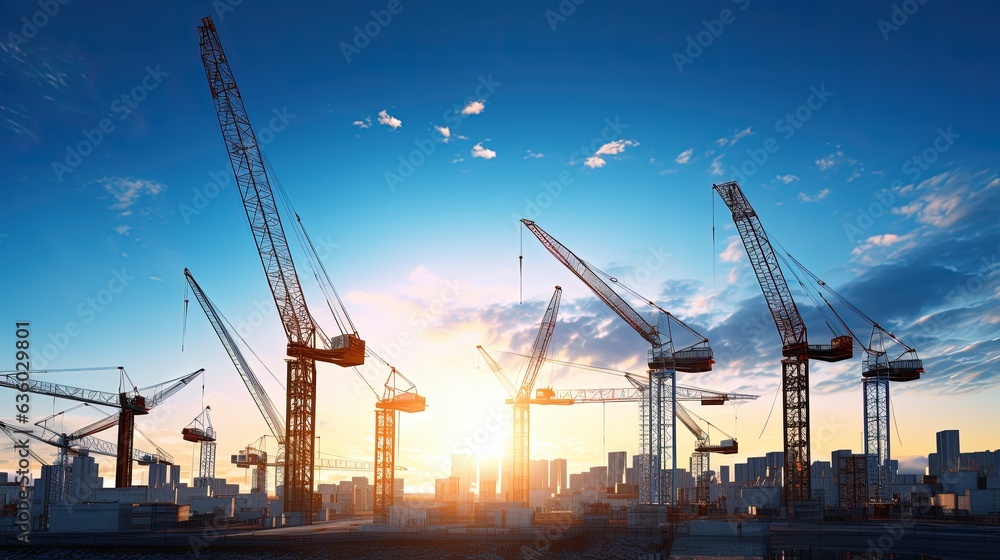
(304, 337)
(794, 343)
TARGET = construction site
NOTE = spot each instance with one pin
(658, 497)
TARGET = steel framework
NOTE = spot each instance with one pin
(794, 343)
(664, 360)
(276, 258)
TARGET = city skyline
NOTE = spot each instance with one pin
(412, 144)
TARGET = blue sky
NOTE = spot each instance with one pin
(869, 150)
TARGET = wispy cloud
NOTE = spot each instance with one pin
(474, 107)
(595, 162)
(803, 197)
(388, 120)
(787, 178)
(716, 167)
(445, 133)
(127, 191)
(825, 163)
(478, 151)
(533, 155)
(367, 123)
(684, 157)
(122, 229)
(732, 140)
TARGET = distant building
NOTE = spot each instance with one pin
(616, 468)
(948, 451)
(489, 472)
(538, 474)
(558, 476)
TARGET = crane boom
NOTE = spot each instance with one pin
(795, 346)
(785, 313)
(595, 283)
(693, 358)
(495, 368)
(254, 185)
(541, 345)
(267, 409)
(522, 400)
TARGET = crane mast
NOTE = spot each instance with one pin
(304, 336)
(522, 406)
(794, 343)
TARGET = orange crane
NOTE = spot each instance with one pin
(396, 397)
(128, 402)
(307, 343)
(521, 398)
(665, 358)
(794, 345)
(399, 395)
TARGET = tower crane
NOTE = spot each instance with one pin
(887, 359)
(637, 393)
(200, 431)
(399, 395)
(665, 358)
(521, 398)
(396, 397)
(128, 403)
(794, 344)
(307, 343)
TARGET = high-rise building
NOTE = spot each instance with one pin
(463, 467)
(489, 470)
(538, 474)
(724, 474)
(507, 472)
(948, 450)
(558, 476)
(616, 468)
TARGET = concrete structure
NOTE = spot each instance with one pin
(616, 468)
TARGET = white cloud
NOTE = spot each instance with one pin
(684, 157)
(787, 178)
(668, 172)
(367, 123)
(745, 132)
(458, 159)
(445, 132)
(126, 191)
(716, 167)
(156, 279)
(612, 148)
(386, 119)
(733, 251)
(825, 163)
(123, 229)
(480, 152)
(474, 107)
(803, 197)
(534, 155)
(735, 138)
(615, 147)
